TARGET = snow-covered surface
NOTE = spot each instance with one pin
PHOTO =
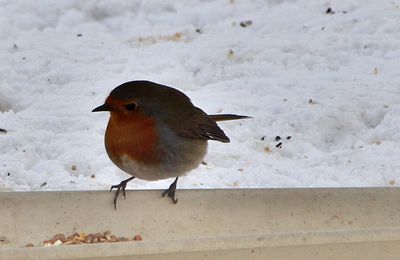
(330, 81)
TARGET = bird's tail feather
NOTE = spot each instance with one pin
(226, 117)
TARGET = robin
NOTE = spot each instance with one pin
(155, 132)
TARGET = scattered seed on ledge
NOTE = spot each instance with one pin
(278, 138)
(82, 238)
(288, 137)
(279, 145)
(137, 238)
(3, 240)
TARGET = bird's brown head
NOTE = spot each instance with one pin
(119, 107)
(145, 98)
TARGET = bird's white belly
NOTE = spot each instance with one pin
(147, 172)
(173, 164)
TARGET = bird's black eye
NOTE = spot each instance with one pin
(130, 106)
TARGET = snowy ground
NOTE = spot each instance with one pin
(330, 81)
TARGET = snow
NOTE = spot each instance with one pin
(329, 81)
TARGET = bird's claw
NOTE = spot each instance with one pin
(120, 187)
(171, 192)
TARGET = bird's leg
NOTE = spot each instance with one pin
(120, 187)
(171, 191)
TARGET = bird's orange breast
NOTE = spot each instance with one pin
(134, 137)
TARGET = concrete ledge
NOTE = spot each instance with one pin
(217, 224)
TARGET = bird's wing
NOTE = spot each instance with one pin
(199, 125)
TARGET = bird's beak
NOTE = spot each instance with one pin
(101, 108)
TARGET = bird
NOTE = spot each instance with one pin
(155, 132)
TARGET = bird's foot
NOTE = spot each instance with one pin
(171, 191)
(120, 187)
